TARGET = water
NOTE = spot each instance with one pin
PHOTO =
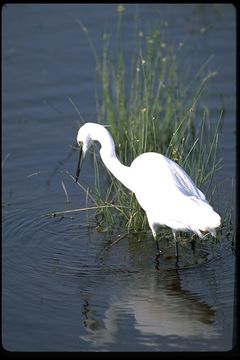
(61, 291)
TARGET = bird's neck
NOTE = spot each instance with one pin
(120, 171)
(108, 155)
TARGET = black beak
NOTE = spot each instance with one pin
(79, 161)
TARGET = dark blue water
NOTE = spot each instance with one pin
(61, 291)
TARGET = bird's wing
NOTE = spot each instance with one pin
(184, 182)
(158, 177)
(169, 196)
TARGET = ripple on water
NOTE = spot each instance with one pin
(55, 245)
(56, 260)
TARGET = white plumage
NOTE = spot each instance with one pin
(162, 188)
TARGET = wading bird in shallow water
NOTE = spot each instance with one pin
(162, 188)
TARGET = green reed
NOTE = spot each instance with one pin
(149, 106)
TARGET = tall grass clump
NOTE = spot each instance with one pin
(149, 106)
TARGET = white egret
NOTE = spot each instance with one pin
(162, 188)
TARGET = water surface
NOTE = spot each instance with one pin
(61, 289)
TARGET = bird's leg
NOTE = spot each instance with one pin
(176, 243)
(176, 246)
(193, 244)
(158, 253)
(158, 250)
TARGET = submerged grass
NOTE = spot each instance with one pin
(151, 108)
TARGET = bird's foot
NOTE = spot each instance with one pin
(176, 263)
(157, 261)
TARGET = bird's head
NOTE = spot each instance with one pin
(84, 142)
(88, 133)
(84, 139)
